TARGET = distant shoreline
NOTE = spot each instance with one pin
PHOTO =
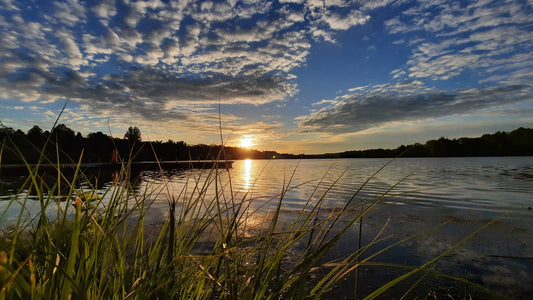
(20, 147)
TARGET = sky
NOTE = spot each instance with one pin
(292, 76)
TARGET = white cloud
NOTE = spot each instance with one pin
(105, 11)
(373, 4)
(69, 12)
(8, 5)
(480, 36)
(73, 53)
(138, 9)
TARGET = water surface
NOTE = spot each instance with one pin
(418, 193)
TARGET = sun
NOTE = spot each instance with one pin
(247, 141)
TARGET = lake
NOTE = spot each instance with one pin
(463, 194)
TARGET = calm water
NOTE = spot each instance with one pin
(469, 192)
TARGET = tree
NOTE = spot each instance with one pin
(133, 135)
(36, 136)
(35, 131)
(63, 134)
(6, 131)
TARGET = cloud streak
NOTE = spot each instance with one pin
(374, 106)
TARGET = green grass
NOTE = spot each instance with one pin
(208, 247)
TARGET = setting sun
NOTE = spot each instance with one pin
(247, 141)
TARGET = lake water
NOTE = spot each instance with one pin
(464, 193)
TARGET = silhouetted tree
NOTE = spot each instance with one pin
(133, 135)
(61, 131)
(100, 147)
(6, 131)
(35, 132)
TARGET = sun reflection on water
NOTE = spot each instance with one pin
(247, 174)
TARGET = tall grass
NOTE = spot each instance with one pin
(217, 245)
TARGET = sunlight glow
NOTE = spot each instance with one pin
(247, 141)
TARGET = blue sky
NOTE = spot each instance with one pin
(295, 76)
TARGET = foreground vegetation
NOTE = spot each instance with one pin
(217, 245)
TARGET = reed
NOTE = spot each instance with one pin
(96, 245)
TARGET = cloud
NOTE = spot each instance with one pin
(373, 4)
(164, 51)
(343, 22)
(150, 94)
(165, 64)
(373, 106)
(197, 125)
(481, 37)
(159, 61)
(105, 10)
(69, 12)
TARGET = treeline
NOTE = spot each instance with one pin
(67, 145)
(519, 142)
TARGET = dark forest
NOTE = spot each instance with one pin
(65, 145)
